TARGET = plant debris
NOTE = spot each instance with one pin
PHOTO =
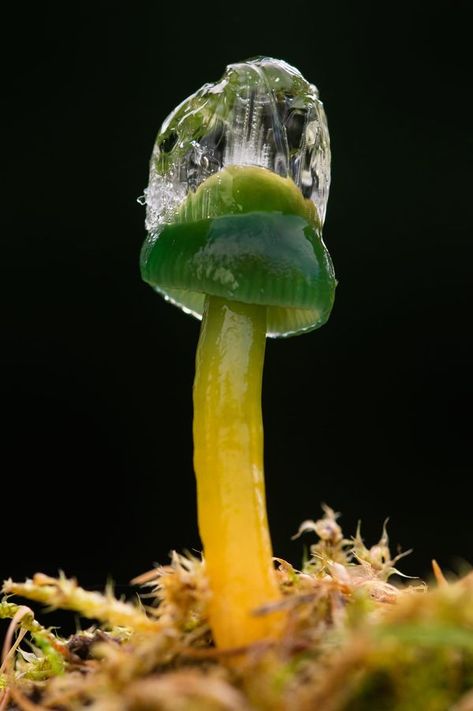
(353, 641)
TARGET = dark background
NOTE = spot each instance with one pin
(370, 414)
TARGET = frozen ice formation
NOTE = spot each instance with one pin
(262, 112)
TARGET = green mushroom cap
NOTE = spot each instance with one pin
(261, 244)
(239, 180)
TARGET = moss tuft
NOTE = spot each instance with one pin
(353, 640)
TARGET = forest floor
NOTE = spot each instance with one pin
(353, 640)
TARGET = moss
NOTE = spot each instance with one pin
(353, 640)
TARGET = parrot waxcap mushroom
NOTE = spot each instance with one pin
(239, 181)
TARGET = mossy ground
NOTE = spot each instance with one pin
(353, 641)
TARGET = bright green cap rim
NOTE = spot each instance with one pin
(268, 258)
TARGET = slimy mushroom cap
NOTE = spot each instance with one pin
(238, 185)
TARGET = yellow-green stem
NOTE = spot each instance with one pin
(228, 462)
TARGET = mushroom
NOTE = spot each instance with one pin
(238, 183)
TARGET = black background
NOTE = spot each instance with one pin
(370, 414)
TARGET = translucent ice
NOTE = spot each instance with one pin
(262, 112)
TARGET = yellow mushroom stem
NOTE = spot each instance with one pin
(228, 462)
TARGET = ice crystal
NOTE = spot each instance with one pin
(263, 113)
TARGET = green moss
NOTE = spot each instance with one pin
(353, 640)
